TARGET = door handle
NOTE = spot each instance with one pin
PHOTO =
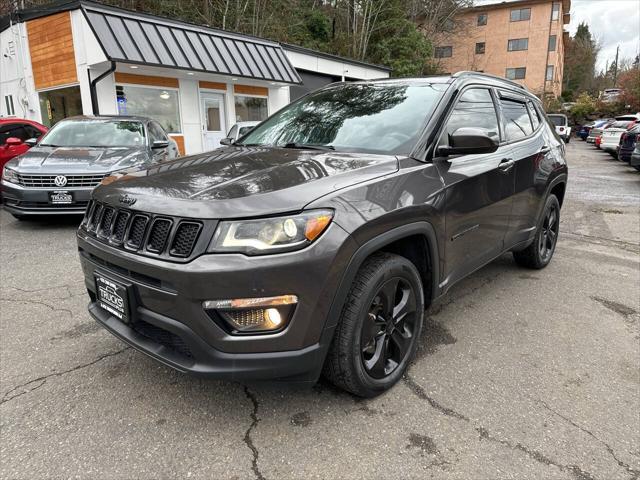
(506, 164)
(545, 149)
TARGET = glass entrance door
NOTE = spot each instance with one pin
(213, 119)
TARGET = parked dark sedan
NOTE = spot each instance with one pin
(628, 142)
(57, 175)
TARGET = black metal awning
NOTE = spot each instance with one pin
(132, 37)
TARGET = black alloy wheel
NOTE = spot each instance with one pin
(388, 331)
(549, 234)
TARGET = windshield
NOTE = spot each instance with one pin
(378, 118)
(558, 120)
(95, 133)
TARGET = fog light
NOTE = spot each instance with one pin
(252, 315)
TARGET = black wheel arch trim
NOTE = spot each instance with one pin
(376, 244)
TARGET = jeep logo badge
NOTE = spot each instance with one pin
(127, 200)
(60, 181)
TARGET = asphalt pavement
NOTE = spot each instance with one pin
(520, 373)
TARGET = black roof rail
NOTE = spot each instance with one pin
(467, 73)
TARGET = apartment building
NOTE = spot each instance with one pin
(522, 40)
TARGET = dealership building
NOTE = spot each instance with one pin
(80, 57)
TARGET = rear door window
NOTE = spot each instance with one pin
(517, 123)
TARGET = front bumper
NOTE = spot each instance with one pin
(21, 200)
(169, 323)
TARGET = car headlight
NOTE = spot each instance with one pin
(270, 235)
(10, 175)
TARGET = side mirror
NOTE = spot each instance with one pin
(226, 141)
(469, 140)
(160, 144)
(13, 141)
(31, 142)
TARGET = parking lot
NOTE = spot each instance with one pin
(520, 373)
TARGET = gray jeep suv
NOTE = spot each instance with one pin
(315, 243)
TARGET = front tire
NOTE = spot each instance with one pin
(379, 327)
(539, 253)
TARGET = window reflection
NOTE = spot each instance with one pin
(380, 118)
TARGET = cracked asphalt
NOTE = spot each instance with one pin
(519, 374)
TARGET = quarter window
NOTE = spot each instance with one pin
(552, 43)
(518, 44)
(517, 123)
(443, 52)
(480, 48)
(482, 19)
(520, 14)
(516, 73)
(475, 108)
(161, 104)
(535, 119)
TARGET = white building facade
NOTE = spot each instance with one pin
(197, 82)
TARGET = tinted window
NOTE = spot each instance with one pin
(558, 120)
(517, 123)
(376, 117)
(475, 108)
(16, 130)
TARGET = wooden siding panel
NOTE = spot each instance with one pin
(53, 59)
(213, 85)
(250, 90)
(149, 80)
(180, 142)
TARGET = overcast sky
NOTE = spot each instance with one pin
(612, 22)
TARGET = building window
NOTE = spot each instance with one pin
(250, 108)
(518, 44)
(480, 48)
(482, 19)
(158, 103)
(520, 14)
(516, 73)
(555, 11)
(59, 103)
(444, 52)
(549, 76)
(8, 101)
(552, 43)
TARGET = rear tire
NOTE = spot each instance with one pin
(379, 327)
(539, 253)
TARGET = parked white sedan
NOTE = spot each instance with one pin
(237, 131)
(611, 136)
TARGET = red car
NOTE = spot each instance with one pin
(13, 134)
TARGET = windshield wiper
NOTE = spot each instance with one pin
(310, 146)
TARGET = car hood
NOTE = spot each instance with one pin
(69, 160)
(238, 182)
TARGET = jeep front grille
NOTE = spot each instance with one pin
(145, 233)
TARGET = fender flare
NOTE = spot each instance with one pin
(373, 245)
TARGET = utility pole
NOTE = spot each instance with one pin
(615, 70)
